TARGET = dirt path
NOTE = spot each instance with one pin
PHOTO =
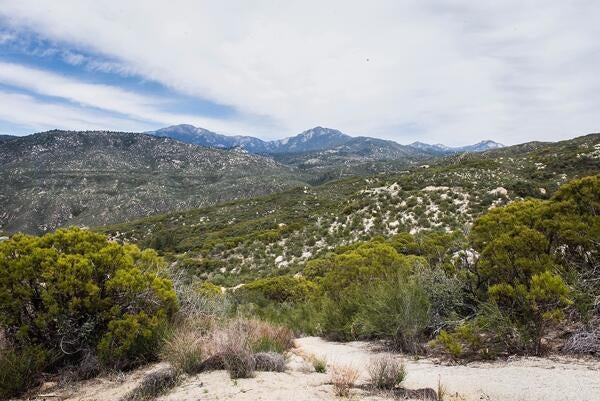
(522, 379)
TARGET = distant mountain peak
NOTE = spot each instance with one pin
(318, 138)
(439, 148)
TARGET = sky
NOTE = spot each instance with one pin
(445, 71)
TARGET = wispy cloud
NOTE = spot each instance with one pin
(147, 110)
(460, 71)
(27, 111)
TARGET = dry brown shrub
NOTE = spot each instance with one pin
(184, 350)
(386, 372)
(231, 345)
(343, 379)
(152, 385)
(269, 362)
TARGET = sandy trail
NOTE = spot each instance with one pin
(522, 379)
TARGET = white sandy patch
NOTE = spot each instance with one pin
(523, 379)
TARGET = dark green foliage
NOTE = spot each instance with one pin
(395, 308)
(19, 369)
(536, 257)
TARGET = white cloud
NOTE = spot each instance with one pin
(145, 109)
(458, 71)
(30, 112)
(6, 37)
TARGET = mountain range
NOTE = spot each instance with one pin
(91, 178)
(313, 140)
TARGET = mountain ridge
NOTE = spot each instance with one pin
(314, 139)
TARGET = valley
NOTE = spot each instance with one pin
(195, 264)
(299, 201)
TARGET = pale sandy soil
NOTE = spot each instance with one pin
(111, 387)
(521, 379)
(298, 383)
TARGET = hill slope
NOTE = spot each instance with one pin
(59, 178)
(238, 241)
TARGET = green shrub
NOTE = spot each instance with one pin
(450, 343)
(209, 290)
(282, 288)
(489, 334)
(73, 291)
(19, 369)
(396, 308)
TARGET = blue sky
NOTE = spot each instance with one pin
(448, 71)
(23, 51)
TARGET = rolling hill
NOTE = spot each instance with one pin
(59, 178)
(241, 240)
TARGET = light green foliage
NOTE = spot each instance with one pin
(371, 290)
(282, 288)
(73, 291)
(319, 364)
(209, 290)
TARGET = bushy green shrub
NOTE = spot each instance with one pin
(209, 290)
(371, 292)
(520, 270)
(489, 334)
(395, 308)
(282, 288)
(72, 292)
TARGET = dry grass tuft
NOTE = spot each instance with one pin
(184, 350)
(441, 390)
(343, 379)
(153, 385)
(238, 345)
(232, 345)
(386, 372)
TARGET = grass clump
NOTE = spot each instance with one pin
(239, 346)
(386, 372)
(184, 350)
(318, 364)
(343, 379)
